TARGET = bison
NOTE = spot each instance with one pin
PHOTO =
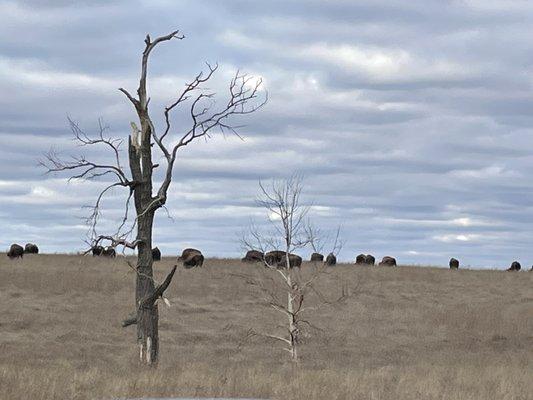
(194, 260)
(156, 254)
(454, 263)
(388, 262)
(360, 259)
(317, 257)
(253, 256)
(191, 258)
(365, 259)
(331, 259)
(31, 248)
(515, 266)
(274, 257)
(109, 252)
(277, 258)
(15, 251)
(295, 261)
(187, 252)
(97, 250)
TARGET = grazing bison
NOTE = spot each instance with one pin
(15, 251)
(331, 259)
(277, 258)
(388, 262)
(191, 258)
(370, 259)
(156, 254)
(31, 248)
(194, 260)
(109, 252)
(317, 257)
(454, 263)
(187, 252)
(274, 257)
(515, 266)
(253, 256)
(365, 259)
(360, 259)
(295, 261)
(97, 250)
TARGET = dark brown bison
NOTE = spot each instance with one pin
(191, 258)
(253, 256)
(295, 261)
(187, 252)
(454, 263)
(97, 250)
(360, 259)
(331, 259)
(15, 251)
(277, 258)
(156, 254)
(515, 266)
(194, 260)
(31, 248)
(317, 257)
(109, 252)
(274, 258)
(388, 262)
(365, 259)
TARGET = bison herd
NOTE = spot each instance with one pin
(17, 251)
(277, 258)
(194, 258)
(189, 257)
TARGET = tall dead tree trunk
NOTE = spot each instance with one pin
(204, 120)
(140, 160)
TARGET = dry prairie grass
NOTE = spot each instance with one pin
(407, 333)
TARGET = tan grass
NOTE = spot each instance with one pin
(407, 333)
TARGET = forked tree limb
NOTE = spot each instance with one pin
(159, 290)
(151, 299)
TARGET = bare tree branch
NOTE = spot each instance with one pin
(291, 230)
(159, 290)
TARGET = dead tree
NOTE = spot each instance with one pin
(244, 97)
(290, 230)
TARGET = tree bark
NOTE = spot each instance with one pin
(140, 157)
(293, 328)
(147, 312)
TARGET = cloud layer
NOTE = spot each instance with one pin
(410, 120)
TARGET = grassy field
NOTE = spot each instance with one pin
(405, 333)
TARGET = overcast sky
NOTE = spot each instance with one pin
(411, 120)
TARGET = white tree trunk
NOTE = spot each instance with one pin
(293, 329)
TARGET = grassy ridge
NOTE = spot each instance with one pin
(405, 333)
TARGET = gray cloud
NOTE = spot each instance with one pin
(410, 120)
